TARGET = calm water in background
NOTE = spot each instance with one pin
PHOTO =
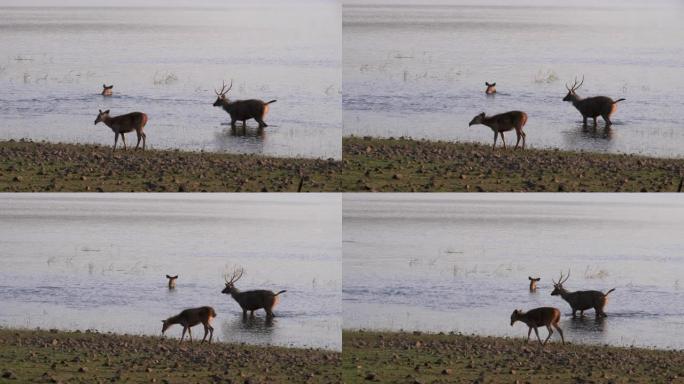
(99, 262)
(461, 263)
(417, 70)
(167, 62)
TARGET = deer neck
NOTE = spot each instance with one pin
(234, 292)
(576, 99)
(565, 294)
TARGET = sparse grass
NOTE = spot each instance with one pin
(40, 166)
(388, 357)
(75, 357)
(406, 165)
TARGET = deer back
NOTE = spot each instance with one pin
(584, 299)
(541, 316)
(507, 121)
(194, 316)
(245, 109)
(595, 106)
(127, 123)
(256, 299)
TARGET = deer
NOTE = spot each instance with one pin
(242, 110)
(533, 283)
(134, 121)
(581, 300)
(591, 106)
(534, 318)
(189, 318)
(491, 88)
(107, 90)
(503, 122)
(251, 300)
(172, 281)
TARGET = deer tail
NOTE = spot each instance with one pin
(608, 293)
(618, 100)
(271, 102)
(283, 291)
(212, 312)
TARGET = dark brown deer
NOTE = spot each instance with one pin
(534, 318)
(533, 283)
(242, 110)
(191, 317)
(134, 121)
(251, 300)
(581, 300)
(504, 122)
(107, 90)
(172, 281)
(491, 88)
(592, 106)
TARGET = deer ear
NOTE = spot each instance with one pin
(493, 84)
(107, 111)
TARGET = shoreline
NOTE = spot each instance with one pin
(408, 165)
(28, 166)
(75, 356)
(416, 357)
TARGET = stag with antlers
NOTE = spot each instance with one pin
(581, 300)
(242, 110)
(251, 300)
(591, 106)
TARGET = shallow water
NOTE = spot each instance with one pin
(417, 70)
(167, 62)
(461, 263)
(99, 262)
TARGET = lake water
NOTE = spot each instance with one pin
(166, 62)
(461, 263)
(419, 70)
(99, 262)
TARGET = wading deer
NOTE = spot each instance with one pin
(502, 123)
(581, 300)
(242, 110)
(591, 106)
(172, 281)
(134, 121)
(533, 283)
(191, 317)
(491, 88)
(107, 90)
(534, 318)
(251, 300)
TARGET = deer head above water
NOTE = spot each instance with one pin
(250, 300)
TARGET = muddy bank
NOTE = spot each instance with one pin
(439, 358)
(48, 167)
(87, 357)
(405, 165)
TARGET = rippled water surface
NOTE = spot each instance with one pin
(461, 263)
(419, 70)
(167, 62)
(99, 262)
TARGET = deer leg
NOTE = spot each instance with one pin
(206, 331)
(261, 122)
(123, 139)
(606, 118)
(503, 140)
(116, 139)
(144, 137)
(517, 133)
(523, 147)
(529, 331)
(581, 313)
(211, 333)
(138, 143)
(232, 123)
(244, 123)
(269, 313)
(251, 314)
(584, 121)
(550, 333)
(182, 335)
(559, 331)
(536, 332)
(190, 334)
(496, 135)
(595, 121)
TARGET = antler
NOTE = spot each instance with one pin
(223, 90)
(561, 280)
(574, 85)
(236, 275)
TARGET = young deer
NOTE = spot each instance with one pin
(107, 90)
(134, 121)
(172, 281)
(533, 283)
(544, 316)
(502, 123)
(581, 300)
(491, 88)
(592, 106)
(251, 300)
(242, 110)
(191, 317)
